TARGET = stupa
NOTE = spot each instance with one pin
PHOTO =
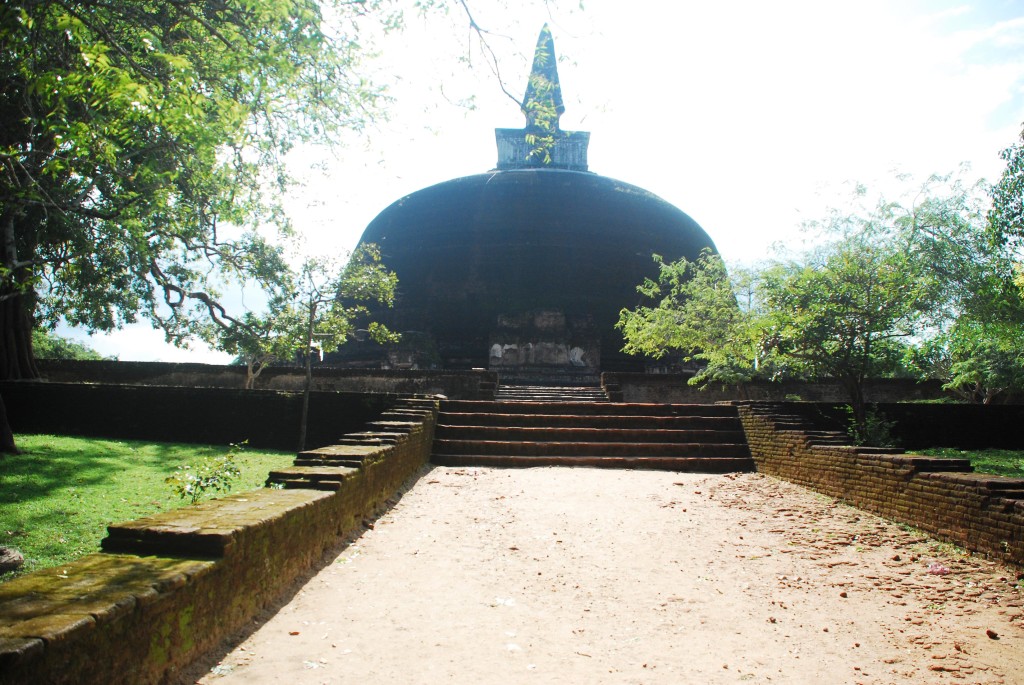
(524, 269)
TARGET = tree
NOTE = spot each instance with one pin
(318, 309)
(841, 312)
(703, 313)
(142, 149)
(330, 301)
(913, 279)
(945, 228)
(968, 337)
(977, 361)
(974, 346)
(846, 313)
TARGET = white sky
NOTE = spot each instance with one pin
(750, 116)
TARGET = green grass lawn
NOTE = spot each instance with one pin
(58, 497)
(999, 462)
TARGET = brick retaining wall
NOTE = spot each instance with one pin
(942, 497)
(219, 416)
(922, 425)
(468, 385)
(675, 388)
(170, 587)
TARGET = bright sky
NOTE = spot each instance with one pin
(749, 116)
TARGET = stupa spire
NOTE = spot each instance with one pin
(542, 144)
(542, 103)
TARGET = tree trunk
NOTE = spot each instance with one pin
(7, 445)
(309, 375)
(860, 415)
(16, 359)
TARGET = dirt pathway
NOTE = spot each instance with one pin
(599, 576)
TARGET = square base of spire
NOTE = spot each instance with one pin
(524, 148)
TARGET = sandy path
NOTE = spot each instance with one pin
(600, 576)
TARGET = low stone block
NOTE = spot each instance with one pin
(208, 529)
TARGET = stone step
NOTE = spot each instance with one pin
(329, 463)
(315, 477)
(586, 408)
(603, 434)
(548, 398)
(533, 393)
(527, 390)
(594, 449)
(625, 421)
(680, 464)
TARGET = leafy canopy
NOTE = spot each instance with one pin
(320, 307)
(703, 313)
(914, 281)
(844, 311)
(142, 146)
(1007, 215)
(840, 312)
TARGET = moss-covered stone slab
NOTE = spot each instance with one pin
(371, 437)
(50, 628)
(356, 451)
(338, 473)
(393, 425)
(53, 605)
(208, 529)
(16, 650)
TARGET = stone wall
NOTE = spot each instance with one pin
(673, 388)
(939, 496)
(922, 425)
(459, 385)
(170, 587)
(264, 418)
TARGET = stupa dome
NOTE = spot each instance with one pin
(525, 269)
(495, 251)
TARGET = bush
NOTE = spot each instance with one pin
(877, 430)
(214, 474)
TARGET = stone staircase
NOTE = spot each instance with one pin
(519, 432)
(327, 468)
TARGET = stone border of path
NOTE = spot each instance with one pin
(169, 587)
(942, 497)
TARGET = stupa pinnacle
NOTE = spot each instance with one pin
(543, 104)
(542, 144)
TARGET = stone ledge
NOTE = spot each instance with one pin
(209, 529)
(987, 481)
(359, 451)
(316, 477)
(57, 605)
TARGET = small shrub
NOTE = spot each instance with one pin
(214, 474)
(877, 429)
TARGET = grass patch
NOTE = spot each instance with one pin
(997, 462)
(58, 497)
